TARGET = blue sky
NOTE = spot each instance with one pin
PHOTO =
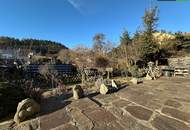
(73, 22)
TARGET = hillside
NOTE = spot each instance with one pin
(39, 46)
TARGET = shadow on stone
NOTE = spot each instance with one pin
(52, 104)
(113, 90)
(90, 96)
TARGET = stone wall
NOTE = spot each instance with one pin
(179, 62)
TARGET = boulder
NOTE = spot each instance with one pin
(25, 109)
(103, 89)
(77, 92)
(136, 80)
(114, 84)
(98, 83)
(47, 94)
(148, 77)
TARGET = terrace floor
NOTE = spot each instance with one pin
(163, 104)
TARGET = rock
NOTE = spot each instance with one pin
(5, 125)
(26, 108)
(114, 84)
(47, 94)
(148, 77)
(136, 80)
(77, 92)
(98, 83)
(103, 89)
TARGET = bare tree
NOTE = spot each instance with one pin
(99, 42)
(84, 56)
(108, 47)
(101, 61)
(49, 73)
(65, 55)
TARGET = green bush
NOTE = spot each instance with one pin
(134, 71)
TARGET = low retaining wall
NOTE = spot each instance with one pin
(179, 62)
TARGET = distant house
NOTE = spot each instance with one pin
(7, 53)
(12, 53)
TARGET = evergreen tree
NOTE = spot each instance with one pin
(125, 39)
(150, 48)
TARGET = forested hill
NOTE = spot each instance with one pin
(43, 46)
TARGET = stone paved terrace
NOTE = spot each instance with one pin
(163, 104)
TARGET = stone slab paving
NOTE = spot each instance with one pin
(163, 104)
(153, 105)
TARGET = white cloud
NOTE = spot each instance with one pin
(77, 4)
(85, 7)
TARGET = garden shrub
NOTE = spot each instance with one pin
(134, 70)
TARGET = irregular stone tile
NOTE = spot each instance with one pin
(182, 99)
(89, 110)
(139, 112)
(121, 103)
(115, 126)
(106, 99)
(137, 96)
(82, 120)
(185, 107)
(83, 104)
(154, 104)
(54, 119)
(66, 127)
(101, 116)
(165, 123)
(116, 111)
(177, 114)
(173, 103)
(110, 126)
(129, 123)
(28, 125)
